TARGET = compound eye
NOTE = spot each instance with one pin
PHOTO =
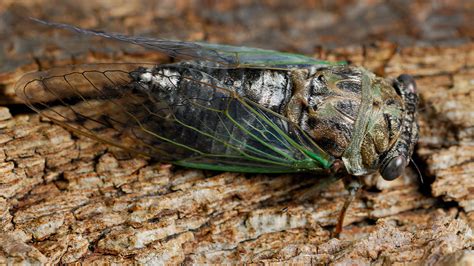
(407, 82)
(394, 168)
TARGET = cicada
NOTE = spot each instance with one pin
(238, 109)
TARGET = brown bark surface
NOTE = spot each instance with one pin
(65, 198)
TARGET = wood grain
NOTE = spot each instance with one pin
(65, 198)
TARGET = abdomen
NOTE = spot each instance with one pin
(193, 106)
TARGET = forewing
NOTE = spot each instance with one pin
(212, 55)
(200, 124)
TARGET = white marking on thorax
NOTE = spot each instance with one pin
(270, 88)
(165, 78)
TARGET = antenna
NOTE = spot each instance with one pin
(418, 170)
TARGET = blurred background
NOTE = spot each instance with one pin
(300, 26)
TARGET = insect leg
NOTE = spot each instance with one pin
(353, 185)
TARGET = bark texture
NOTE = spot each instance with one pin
(65, 198)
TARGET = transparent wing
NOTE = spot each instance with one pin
(208, 54)
(180, 119)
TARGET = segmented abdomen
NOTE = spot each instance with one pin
(192, 107)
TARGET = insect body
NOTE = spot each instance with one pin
(235, 109)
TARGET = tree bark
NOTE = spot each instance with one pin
(65, 198)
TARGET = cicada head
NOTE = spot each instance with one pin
(367, 121)
(389, 130)
(394, 161)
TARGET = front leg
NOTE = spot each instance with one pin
(352, 185)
